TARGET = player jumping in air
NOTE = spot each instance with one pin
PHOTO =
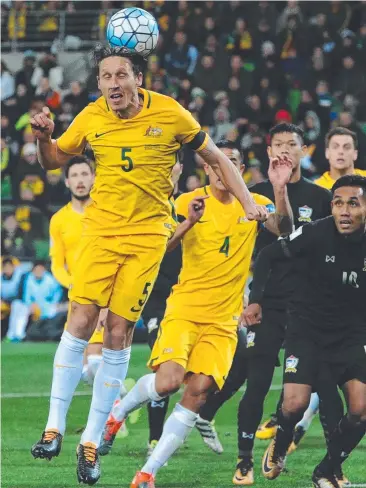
(135, 135)
(65, 235)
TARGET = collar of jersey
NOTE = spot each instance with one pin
(142, 92)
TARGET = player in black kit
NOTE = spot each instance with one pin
(309, 202)
(326, 335)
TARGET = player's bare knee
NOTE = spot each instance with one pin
(118, 332)
(167, 385)
(196, 392)
(357, 410)
(294, 405)
(169, 379)
(82, 320)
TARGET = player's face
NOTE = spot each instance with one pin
(235, 158)
(117, 82)
(341, 152)
(287, 144)
(80, 181)
(349, 209)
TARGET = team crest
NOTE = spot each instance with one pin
(305, 214)
(250, 339)
(291, 364)
(242, 220)
(153, 132)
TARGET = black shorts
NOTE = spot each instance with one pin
(152, 323)
(306, 362)
(266, 339)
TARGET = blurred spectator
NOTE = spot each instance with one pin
(51, 97)
(77, 97)
(24, 76)
(222, 123)
(17, 21)
(156, 78)
(12, 272)
(57, 193)
(7, 83)
(39, 297)
(14, 240)
(8, 183)
(181, 58)
(48, 68)
(241, 40)
(207, 75)
(350, 79)
(31, 177)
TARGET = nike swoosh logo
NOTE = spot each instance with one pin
(266, 469)
(202, 221)
(133, 309)
(102, 134)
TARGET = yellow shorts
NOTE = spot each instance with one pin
(97, 337)
(199, 348)
(117, 272)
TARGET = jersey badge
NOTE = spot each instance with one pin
(242, 220)
(291, 363)
(329, 259)
(153, 132)
(250, 339)
(305, 214)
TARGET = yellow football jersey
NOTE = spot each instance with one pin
(326, 181)
(134, 159)
(216, 257)
(65, 232)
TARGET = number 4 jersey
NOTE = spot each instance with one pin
(217, 253)
(134, 159)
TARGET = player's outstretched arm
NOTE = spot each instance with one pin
(232, 180)
(49, 155)
(196, 209)
(279, 173)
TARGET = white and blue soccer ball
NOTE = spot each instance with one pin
(134, 29)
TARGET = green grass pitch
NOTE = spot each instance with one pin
(26, 380)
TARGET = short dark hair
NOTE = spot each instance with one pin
(7, 260)
(357, 181)
(78, 160)
(285, 127)
(340, 131)
(226, 144)
(39, 262)
(102, 52)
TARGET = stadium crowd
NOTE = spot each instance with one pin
(239, 67)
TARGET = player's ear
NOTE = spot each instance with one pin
(355, 155)
(304, 150)
(206, 168)
(269, 151)
(327, 153)
(242, 169)
(67, 183)
(139, 79)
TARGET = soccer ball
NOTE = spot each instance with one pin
(134, 29)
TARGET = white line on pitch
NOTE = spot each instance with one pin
(89, 393)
